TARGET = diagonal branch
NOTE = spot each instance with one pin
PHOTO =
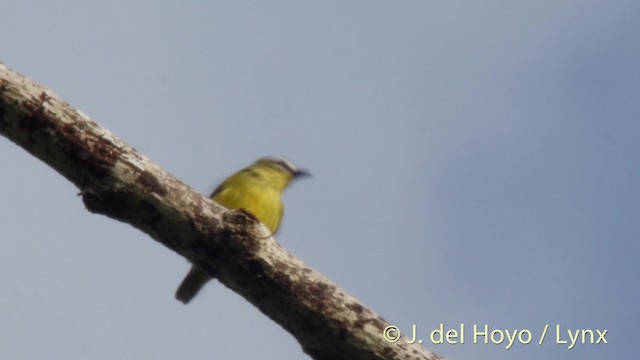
(116, 181)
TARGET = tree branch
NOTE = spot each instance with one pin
(232, 246)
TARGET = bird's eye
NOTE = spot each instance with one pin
(286, 165)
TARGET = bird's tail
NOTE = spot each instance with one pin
(192, 283)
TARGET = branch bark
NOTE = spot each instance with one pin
(117, 181)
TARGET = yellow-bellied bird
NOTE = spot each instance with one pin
(257, 189)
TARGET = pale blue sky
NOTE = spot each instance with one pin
(474, 163)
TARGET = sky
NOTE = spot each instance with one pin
(475, 164)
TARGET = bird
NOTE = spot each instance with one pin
(257, 189)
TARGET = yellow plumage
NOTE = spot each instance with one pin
(257, 189)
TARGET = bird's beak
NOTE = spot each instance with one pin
(301, 173)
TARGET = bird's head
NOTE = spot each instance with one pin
(278, 171)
